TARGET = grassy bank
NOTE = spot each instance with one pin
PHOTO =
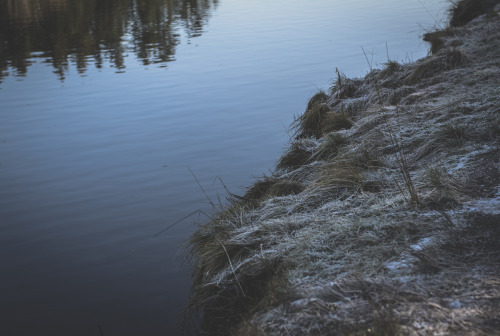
(383, 216)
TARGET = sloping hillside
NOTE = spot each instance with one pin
(382, 218)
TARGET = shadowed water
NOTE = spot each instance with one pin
(105, 104)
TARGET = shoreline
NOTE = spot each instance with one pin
(382, 216)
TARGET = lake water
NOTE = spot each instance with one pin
(106, 106)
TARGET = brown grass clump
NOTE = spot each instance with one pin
(436, 39)
(446, 59)
(259, 189)
(329, 147)
(228, 276)
(454, 58)
(340, 174)
(319, 98)
(310, 124)
(343, 87)
(367, 158)
(285, 187)
(336, 121)
(399, 95)
(295, 157)
(465, 11)
(390, 68)
(268, 187)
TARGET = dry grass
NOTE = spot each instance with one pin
(445, 138)
(336, 121)
(310, 124)
(390, 68)
(330, 245)
(445, 59)
(297, 155)
(260, 188)
(437, 38)
(340, 175)
(343, 87)
(228, 274)
(446, 190)
(284, 188)
(452, 134)
(463, 12)
(267, 187)
(330, 146)
(367, 158)
(317, 99)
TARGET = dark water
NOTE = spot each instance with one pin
(104, 104)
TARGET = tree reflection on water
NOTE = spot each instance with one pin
(84, 32)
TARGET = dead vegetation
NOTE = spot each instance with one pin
(445, 59)
(298, 154)
(462, 12)
(381, 222)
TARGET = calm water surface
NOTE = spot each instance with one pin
(105, 104)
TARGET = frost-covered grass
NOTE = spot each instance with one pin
(389, 225)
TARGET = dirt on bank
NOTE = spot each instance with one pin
(382, 217)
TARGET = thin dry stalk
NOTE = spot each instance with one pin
(401, 158)
(202, 189)
(403, 167)
(232, 268)
(199, 212)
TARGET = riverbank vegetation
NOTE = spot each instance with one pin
(382, 217)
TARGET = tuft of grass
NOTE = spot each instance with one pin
(319, 98)
(340, 174)
(454, 58)
(285, 187)
(227, 275)
(446, 59)
(329, 147)
(259, 189)
(399, 94)
(343, 87)
(445, 191)
(367, 158)
(295, 157)
(435, 177)
(310, 124)
(345, 168)
(436, 39)
(465, 11)
(403, 167)
(390, 68)
(337, 121)
(452, 135)
(267, 187)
